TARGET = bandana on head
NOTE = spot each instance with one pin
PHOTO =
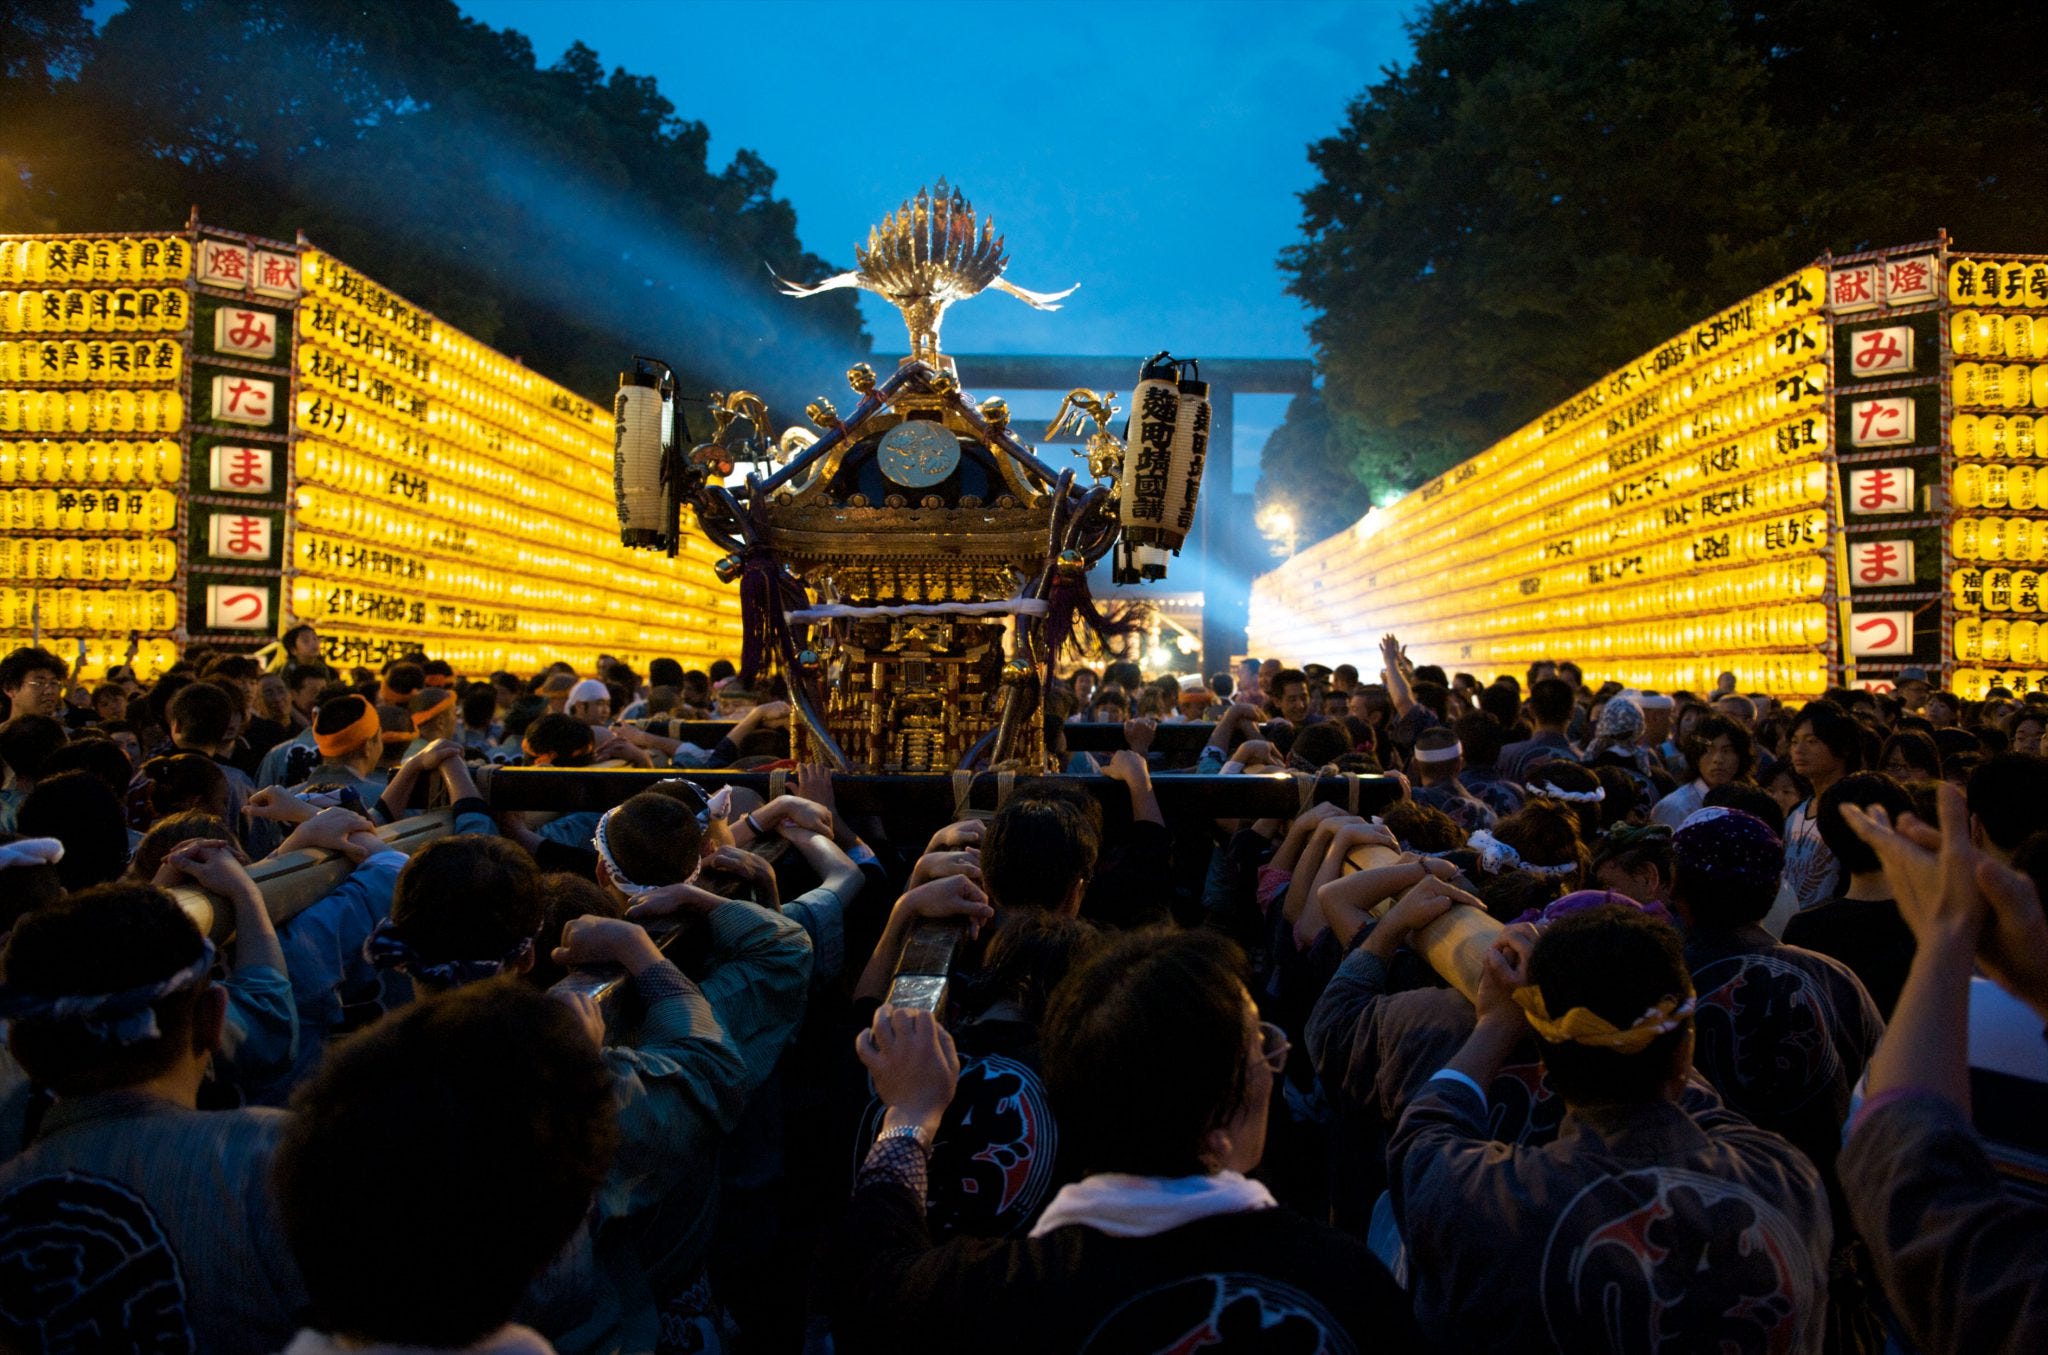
(123, 1018)
(1582, 1025)
(1550, 790)
(620, 881)
(1621, 719)
(1496, 856)
(443, 700)
(1581, 899)
(31, 851)
(1723, 846)
(365, 727)
(590, 689)
(1450, 752)
(385, 949)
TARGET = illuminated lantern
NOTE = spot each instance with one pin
(1996, 635)
(1146, 475)
(2022, 641)
(1969, 486)
(2019, 483)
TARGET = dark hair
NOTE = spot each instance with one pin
(79, 811)
(233, 668)
(566, 897)
(1146, 1051)
(1551, 700)
(167, 832)
(1421, 827)
(291, 637)
(1481, 738)
(1837, 732)
(202, 712)
(101, 940)
(296, 674)
(479, 705)
(1028, 955)
(1721, 727)
(1545, 832)
(1320, 744)
(1631, 849)
(1918, 750)
(655, 838)
(1953, 741)
(1285, 678)
(2008, 794)
(1037, 846)
(1750, 800)
(467, 898)
(405, 678)
(721, 669)
(567, 737)
(1625, 791)
(98, 757)
(1862, 789)
(1223, 684)
(1617, 963)
(473, 1124)
(664, 673)
(1432, 672)
(15, 668)
(182, 781)
(29, 887)
(27, 741)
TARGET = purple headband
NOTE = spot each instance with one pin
(387, 950)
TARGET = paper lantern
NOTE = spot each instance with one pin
(1145, 496)
(638, 461)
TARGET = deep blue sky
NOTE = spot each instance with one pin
(1150, 152)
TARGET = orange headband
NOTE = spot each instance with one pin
(440, 680)
(345, 741)
(420, 717)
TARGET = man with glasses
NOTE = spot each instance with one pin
(33, 680)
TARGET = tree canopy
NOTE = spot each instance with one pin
(1552, 187)
(560, 214)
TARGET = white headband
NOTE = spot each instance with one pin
(1450, 752)
(31, 851)
(611, 865)
(1551, 791)
(1496, 856)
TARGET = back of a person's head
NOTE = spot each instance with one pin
(664, 673)
(1726, 868)
(721, 669)
(1421, 827)
(233, 668)
(558, 740)
(26, 884)
(201, 714)
(1223, 684)
(182, 781)
(1747, 798)
(1037, 847)
(479, 705)
(2008, 794)
(1146, 1049)
(1862, 789)
(1481, 738)
(1625, 794)
(1635, 850)
(439, 1160)
(1545, 833)
(1030, 952)
(1502, 704)
(405, 678)
(102, 943)
(187, 825)
(27, 741)
(100, 758)
(1617, 963)
(79, 811)
(1563, 779)
(567, 897)
(1551, 700)
(654, 838)
(465, 908)
(1320, 744)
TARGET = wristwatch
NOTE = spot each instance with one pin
(915, 1132)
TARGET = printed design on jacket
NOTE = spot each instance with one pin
(1763, 1031)
(85, 1266)
(992, 1164)
(1231, 1311)
(1668, 1259)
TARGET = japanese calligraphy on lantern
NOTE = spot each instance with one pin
(240, 470)
(1881, 564)
(243, 399)
(237, 606)
(1911, 280)
(245, 333)
(1881, 352)
(223, 264)
(1875, 635)
(1881, 489)
(1855, 289)
(238, 536)
(1883, 422)
(274, 274)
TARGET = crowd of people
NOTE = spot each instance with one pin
(1745, 1065)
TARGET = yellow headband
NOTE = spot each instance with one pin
(441, 703)
(1581, 1025)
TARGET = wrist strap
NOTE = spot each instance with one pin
(752, 826)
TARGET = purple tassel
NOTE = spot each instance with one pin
(764, 593)
(1070, 607)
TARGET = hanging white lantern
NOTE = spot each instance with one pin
(637, 462)
(1145, 486)
(1190, 451)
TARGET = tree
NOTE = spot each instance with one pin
(560, 214)
(1552, 187)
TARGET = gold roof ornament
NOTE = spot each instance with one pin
(926, 255)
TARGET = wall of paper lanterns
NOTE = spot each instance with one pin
(369, 469)
(1670, 521)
